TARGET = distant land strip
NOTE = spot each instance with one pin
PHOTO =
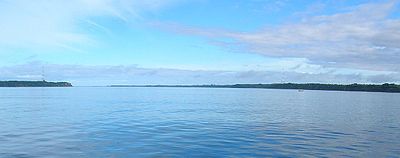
(34, 84)
(392, 88)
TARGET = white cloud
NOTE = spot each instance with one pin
(44, 23)
(362, 38)
(131, 74)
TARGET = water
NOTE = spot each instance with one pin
(197, 122)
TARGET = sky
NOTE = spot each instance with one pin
(106, 42)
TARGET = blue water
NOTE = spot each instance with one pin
(197, 122)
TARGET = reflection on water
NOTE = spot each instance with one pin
(196, 122)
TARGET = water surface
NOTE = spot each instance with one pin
(197, 122)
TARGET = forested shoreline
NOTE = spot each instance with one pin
(393, 88)
(34, 84)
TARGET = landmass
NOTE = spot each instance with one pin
(34, 84)
(393, 88)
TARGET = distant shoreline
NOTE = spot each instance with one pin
(390, 88)
(34, 84)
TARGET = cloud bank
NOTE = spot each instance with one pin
(364, 37)
(107, 75)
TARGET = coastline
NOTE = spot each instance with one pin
(34, 84)
(388, 88)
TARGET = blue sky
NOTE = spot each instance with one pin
(102, 42)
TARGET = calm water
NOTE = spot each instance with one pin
(197, 122)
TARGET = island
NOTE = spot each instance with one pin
(34, 84)
(392, 88)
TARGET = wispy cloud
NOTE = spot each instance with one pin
(46, 23)
(364, 37)
(132, 74)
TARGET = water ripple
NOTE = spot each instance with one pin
(140, 122)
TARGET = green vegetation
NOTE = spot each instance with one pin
(34, 84)
(308, 86)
